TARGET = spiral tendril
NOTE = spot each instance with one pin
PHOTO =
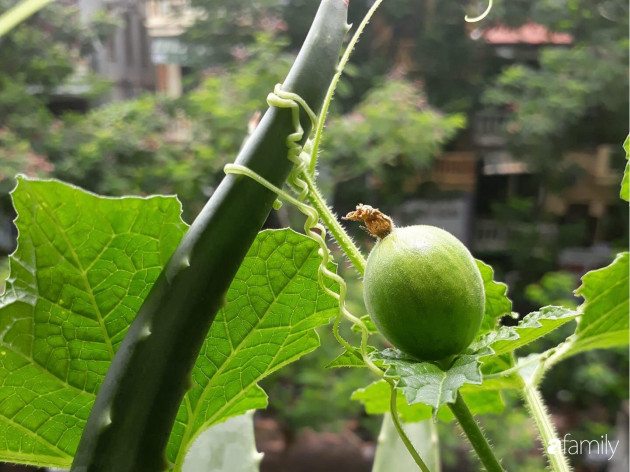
(303, 158)
(479, 17)
(313, 229)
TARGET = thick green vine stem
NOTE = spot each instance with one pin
(131, 421)
(475, 435)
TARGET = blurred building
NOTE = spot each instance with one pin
(483, 172)
(125, 58)
(589, 197)
(166, 21)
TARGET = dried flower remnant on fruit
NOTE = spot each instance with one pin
(378, 224)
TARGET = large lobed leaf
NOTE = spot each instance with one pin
(273, 306)
(83, 267)
(604, 322)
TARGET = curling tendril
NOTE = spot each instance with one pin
(314, 230)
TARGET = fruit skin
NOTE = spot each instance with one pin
(424, 292)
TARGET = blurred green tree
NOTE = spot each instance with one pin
(38, 58)
(393, 126)
(577, 97)
(156, 144)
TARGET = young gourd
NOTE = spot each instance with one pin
(422, 287)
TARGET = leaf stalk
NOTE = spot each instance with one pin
(401, 432)
(547, 431)
(475, 435)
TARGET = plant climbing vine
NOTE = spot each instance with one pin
(125, 334)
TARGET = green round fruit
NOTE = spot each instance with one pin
(424, 292)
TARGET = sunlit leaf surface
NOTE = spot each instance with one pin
(83, 267)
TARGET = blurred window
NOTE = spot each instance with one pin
(128, 39)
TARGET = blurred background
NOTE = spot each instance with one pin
(506, 132)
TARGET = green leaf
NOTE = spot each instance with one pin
(83, 267)
(481, 401)
(531, 327)
(81, 271)
(273, 306)
(425, 382)
(604, 323)
(369, 324)
(493, 377)
(376, 398)
(497, 302)
(625, 183)
(349, 359)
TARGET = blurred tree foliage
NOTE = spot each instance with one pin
(40, 57)
(575, 97)
(37, 59)
(229, 26)
(555, 288)
(156, 144)
(392, 126)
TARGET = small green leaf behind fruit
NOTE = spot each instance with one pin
(369, 324)
(349, 359)
(497, 302)
(376, 396)
(425, 382)
(533, 326)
